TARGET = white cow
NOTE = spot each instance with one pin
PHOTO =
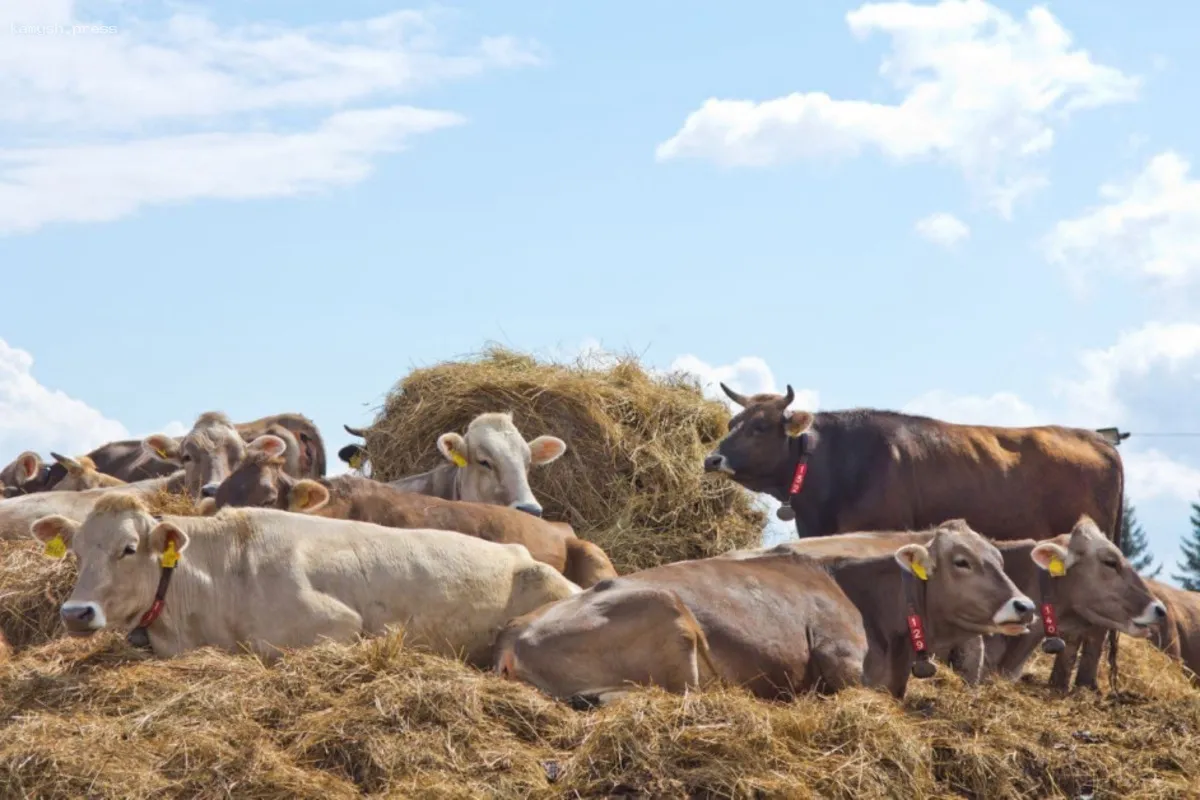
(270, 579)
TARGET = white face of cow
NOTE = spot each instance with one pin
(209, 453)
(494, 460)
(118, 554)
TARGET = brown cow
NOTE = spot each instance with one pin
(776, 624)
(863, 469)
(25, 475)
(82, 474)
(262, 480)
(1098, 588)
(1179, 636)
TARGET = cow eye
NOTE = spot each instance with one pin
(185, 458)
(483, 462)
(961, 563)
(128, 551)
(1114, 564)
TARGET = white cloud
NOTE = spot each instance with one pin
(942, 229)
(748, 375)
(1148, 227)
(980, 90)
(1001, 408)
(179, 108)
(1151, 474)
(103, 182)
(34, 417)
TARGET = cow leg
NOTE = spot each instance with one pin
(966, 660)
(324, 617)
(1064, 664)
(1007, 655)
(835, 664)
(1089, 663)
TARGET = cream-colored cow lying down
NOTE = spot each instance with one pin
(269, 579)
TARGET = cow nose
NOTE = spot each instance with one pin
(80, 614)
(209, 490)
(1160, 611)
(715, 462)
(1022, 606)
(529, 508)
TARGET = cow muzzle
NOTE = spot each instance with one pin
(716, 462)
(1014, 617)
(209, 490)
(1155, 613)
(82, 619)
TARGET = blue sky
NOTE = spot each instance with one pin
(986, 212)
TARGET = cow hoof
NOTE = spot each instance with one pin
(924, 669)
(1053, 645)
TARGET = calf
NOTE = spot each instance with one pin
(269, 580)
(489, 464)
(81, 473)
(261, 480)
(17, 514)
(1179, 635)
(777, 623)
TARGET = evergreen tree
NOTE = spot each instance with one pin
(1190, 566)
(1134, 544)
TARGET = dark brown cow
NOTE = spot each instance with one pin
(862, 469)
(25, 475)
(1179, 636)
(261, 480)
(776, 624)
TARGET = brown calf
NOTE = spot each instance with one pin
(261, 480)
(82, 474)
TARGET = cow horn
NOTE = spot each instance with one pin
(355, 431)
(789, 397)
(740, 399)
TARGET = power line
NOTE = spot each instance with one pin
(1169, 434)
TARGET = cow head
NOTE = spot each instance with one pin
(1095, 584)
(118, 548)
(208, 453)
(82, 474)
(758, 447)
(26, 474)
(264, 479)
(354, 454)
(494, 459)
(966, 587)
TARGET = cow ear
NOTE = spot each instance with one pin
(915, 558)
(165, 534)
(454, 448)
(29, 464)
(545, 449)
(162, 446)
(1052, 557)
(269, 445)
(797, 422)
(307, 496)
(56, 532)
(207, 506)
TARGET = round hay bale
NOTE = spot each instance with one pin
(632, 479)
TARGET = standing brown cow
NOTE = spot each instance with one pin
(863, 469)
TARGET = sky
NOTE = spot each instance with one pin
(985, 212)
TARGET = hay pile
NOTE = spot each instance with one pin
(95, 718)
(632, 478)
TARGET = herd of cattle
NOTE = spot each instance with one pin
(916, 538)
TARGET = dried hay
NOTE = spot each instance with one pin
(96, 718)
(631, 480)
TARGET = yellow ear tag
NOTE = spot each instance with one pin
(161, 453)
(356, 461)
(56, 547)
(1057, 567)
(919, 571)
(458, 460)
(169, 557)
